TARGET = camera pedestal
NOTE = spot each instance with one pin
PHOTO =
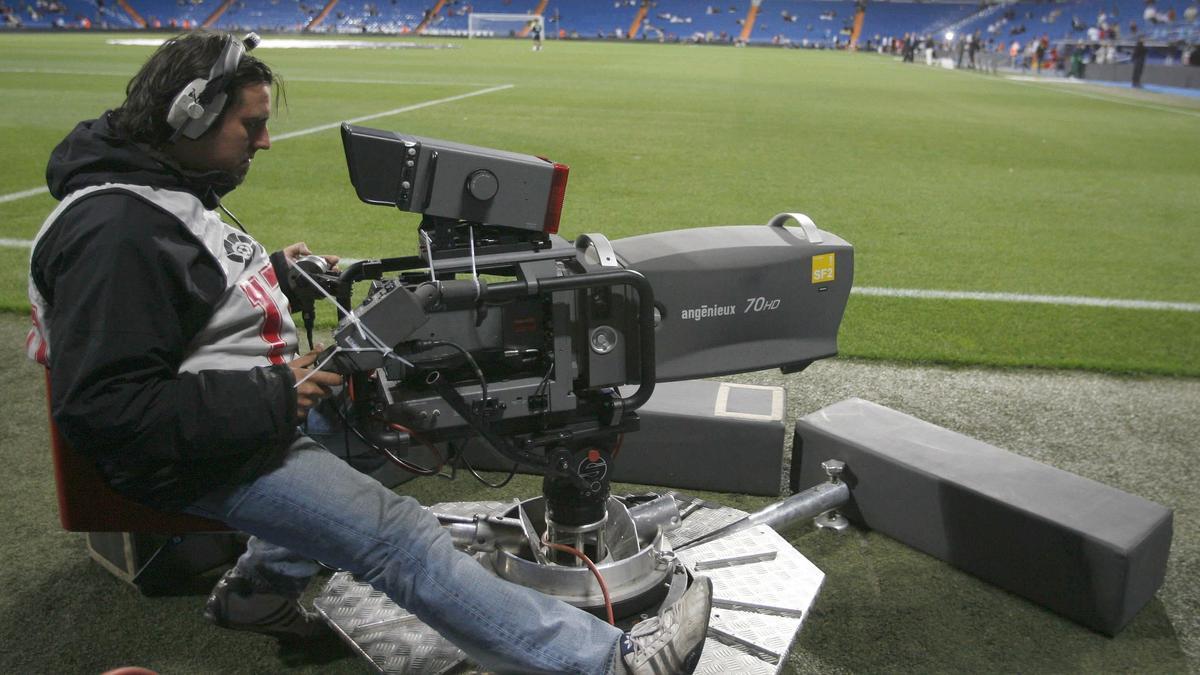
(763, 590)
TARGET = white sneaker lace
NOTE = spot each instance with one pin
(639, 634)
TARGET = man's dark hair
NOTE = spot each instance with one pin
(181, 59)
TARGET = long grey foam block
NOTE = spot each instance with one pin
(1083, 549)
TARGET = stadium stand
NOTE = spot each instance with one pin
(804, 23)
(591, 18)
(1159, 21)
(694, 21)
(893, 20)
(83, 14)
(377, 16)
(268, 15)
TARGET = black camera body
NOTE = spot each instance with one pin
(500, 329)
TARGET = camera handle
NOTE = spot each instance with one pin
(811, 231)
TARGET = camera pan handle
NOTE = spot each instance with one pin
(810, 228)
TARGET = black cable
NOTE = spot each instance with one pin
(402, 463)
(545, 380)
(235, 218)
(462, 456)
(483, 386)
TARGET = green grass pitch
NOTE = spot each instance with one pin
(942, 180)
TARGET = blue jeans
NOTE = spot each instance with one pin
(310, 505)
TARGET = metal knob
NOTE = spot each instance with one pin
(833, 469)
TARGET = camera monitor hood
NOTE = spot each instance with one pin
(453, 181)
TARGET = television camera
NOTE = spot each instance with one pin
(501, 330)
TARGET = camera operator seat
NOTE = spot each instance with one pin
(140, 545)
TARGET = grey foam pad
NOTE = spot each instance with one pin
(1090, 552)
(697, 435)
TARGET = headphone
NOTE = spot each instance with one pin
(200, 103)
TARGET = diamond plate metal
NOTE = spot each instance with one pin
(388, 636)
(762, 592)
(764, 633)
(702, 521)
(788, 584)
(722, 659)
(781, 590)
(469, 509)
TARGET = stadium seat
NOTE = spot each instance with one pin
(148, 548)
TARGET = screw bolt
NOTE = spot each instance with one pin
(833, 469)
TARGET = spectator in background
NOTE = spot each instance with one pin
(1014, 50)
(1077, 63)
(1139, 62)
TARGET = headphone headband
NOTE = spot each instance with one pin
(195, 108)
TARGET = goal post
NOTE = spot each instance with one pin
(484, 24)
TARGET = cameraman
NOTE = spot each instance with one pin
(168, 337)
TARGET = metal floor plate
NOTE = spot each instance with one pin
(387, 635)
(762, 592)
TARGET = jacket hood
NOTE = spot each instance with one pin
(95, 153)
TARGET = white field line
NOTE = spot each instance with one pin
(1097, 96)
(1034, 82)
(1066, 300)
(925, 294)
(23, 194)
(395, 111)
(312, 130)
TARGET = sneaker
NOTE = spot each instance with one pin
(238, 603)
(672, 641)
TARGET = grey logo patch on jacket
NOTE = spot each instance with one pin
(239, 248)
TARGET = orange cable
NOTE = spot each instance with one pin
(591, 566)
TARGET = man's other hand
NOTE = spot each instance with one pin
(318, 384)
(299, 249)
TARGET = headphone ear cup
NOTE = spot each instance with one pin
(186, 105)
(187, 116)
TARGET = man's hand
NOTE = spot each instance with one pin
(317, 385)
(300, 249)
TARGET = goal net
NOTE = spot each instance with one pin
(481, 24)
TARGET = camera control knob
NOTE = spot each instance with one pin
(482, 185)
(603, 339)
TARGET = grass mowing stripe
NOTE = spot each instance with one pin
(325, 80)
(1076, 300)
(928, 294)
(322, 127)
(394, 111)
(39, 71)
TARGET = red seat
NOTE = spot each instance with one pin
(87, 504)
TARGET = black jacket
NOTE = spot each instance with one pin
(126, 288)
